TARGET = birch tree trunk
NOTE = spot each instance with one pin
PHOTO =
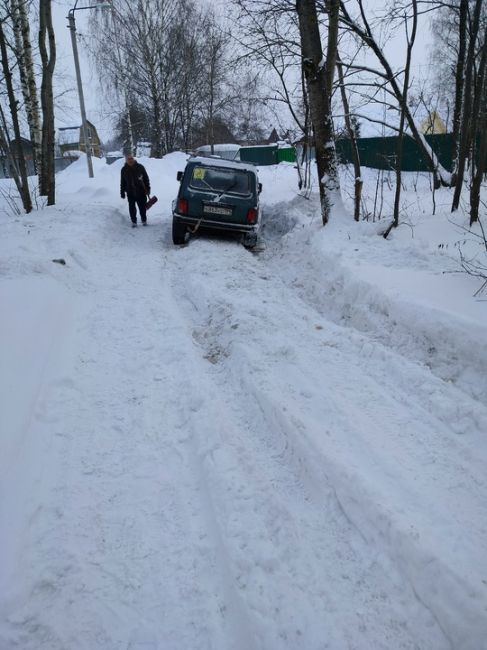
(319, 73)
(23, 50)
(47, 50)
(5, 145)
(353, 142)
(22, 183)
(130, 131)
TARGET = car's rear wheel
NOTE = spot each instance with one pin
(250, 240)
(178, 233)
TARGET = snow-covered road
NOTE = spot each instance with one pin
(210, 462)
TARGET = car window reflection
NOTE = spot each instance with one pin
(221, 181)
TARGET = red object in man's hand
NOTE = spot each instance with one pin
(151, 202)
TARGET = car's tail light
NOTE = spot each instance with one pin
(182, 206)
(251, 215)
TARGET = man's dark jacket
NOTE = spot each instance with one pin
(134, 180)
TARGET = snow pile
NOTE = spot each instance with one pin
(407, 293)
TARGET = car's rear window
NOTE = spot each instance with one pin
(231, 181)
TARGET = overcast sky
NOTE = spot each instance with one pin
(68, 113)
(98, 112)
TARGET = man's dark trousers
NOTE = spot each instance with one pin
(140, 200)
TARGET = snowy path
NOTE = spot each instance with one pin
(226, 468)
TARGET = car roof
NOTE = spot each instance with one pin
(211, 161)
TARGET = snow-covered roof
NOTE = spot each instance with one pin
(272, 145)
(69, 134)
(73, 153)
(219, 147)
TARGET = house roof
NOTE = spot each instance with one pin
(72, 134)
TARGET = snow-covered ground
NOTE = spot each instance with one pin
(205, 448)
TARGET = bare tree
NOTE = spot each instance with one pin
(25, 63)
(358, 184)
(246, 112)
(319, 73)
(469, 112)
(459, 80)
(131, 53)
(215, 64)
(170, 62)
(188, 44)
(411, 37)
(47, 49)
(7, 151)
(268, 33)
(479, 133)
(361, 27)
(20, 174)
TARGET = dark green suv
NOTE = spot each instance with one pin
(217, 194)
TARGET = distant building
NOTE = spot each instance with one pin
(143, 149)
(27, 148)
(273, 138)
(70, 138)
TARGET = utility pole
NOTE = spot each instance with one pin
(84, 125)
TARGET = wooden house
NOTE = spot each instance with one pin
(26, 147)
(70, 138)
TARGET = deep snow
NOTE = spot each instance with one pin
(207, 448)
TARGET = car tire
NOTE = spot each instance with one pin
(250, 240)
(179, 231)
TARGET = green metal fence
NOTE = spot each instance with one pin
(380, 153)
(286, 154)
(270, 154)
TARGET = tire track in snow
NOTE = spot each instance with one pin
(375, 406)
(289, 471)
(232, 510)
(126, 555)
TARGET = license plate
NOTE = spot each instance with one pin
(216, 209)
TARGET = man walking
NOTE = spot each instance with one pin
(134, 182)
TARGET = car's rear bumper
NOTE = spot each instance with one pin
(205, 222)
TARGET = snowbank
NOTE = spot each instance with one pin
(408, 293)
